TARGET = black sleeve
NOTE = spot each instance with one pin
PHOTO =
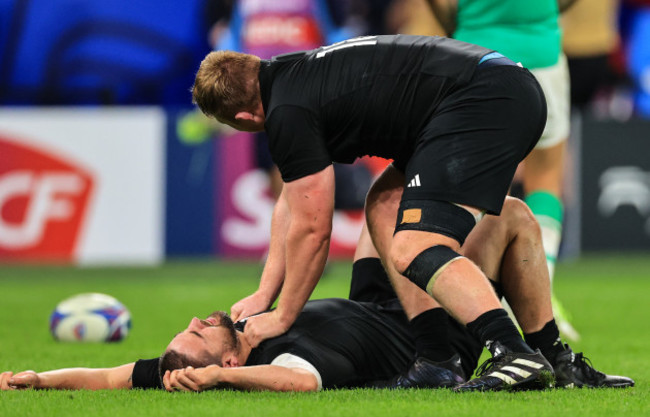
(296, 143)
(349, 343)
(145, 374)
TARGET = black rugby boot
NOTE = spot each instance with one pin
(511, 371)
(574, 370)
(425, 373)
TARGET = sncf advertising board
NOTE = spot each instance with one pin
(245, 206)
(82, 186)
(116, 186)
(218, 201)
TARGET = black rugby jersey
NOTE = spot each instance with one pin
(364, 96)
(350, 343)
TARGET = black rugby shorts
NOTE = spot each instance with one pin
(468, 152)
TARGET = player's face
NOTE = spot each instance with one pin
(212, 337)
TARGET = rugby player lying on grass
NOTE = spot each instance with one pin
(364, 341)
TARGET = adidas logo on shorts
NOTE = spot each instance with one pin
(415, 182)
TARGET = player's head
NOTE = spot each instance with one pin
(212, 341)
(227, 84)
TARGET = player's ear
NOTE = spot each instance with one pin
(230, 361)
(244, 115)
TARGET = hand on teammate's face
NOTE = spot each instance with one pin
(262, 327)
(253, 304)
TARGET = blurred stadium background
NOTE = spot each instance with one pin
(104, 164)
(101, 163)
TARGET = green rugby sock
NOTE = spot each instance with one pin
(549, 212)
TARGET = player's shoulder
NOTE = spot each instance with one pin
(289, 57)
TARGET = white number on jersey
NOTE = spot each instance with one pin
(360, 41)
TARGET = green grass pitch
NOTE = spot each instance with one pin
(607, 295)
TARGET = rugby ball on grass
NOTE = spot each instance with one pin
(90, 317)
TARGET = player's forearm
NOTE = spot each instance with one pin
(308, 245)
(274, 267)
(268, 378)
(82, 378)
(311, 204)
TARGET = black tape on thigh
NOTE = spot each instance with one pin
(425, 266)
(435, 216)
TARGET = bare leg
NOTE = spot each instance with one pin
(544, 169)
(542, 180)
(381, 214)
(508, 249)
(462, 288)
(365, 248)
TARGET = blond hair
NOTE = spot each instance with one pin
(226, 83)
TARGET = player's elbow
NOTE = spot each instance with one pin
(309, 388)
(299, 380)
(305, 384)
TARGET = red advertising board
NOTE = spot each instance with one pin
(82, 185)
(43, 202)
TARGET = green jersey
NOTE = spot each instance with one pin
(525, 31)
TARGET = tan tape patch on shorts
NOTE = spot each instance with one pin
(437, 274)
(411, 216)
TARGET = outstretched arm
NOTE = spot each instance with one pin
(251, 378)
(70, 378)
